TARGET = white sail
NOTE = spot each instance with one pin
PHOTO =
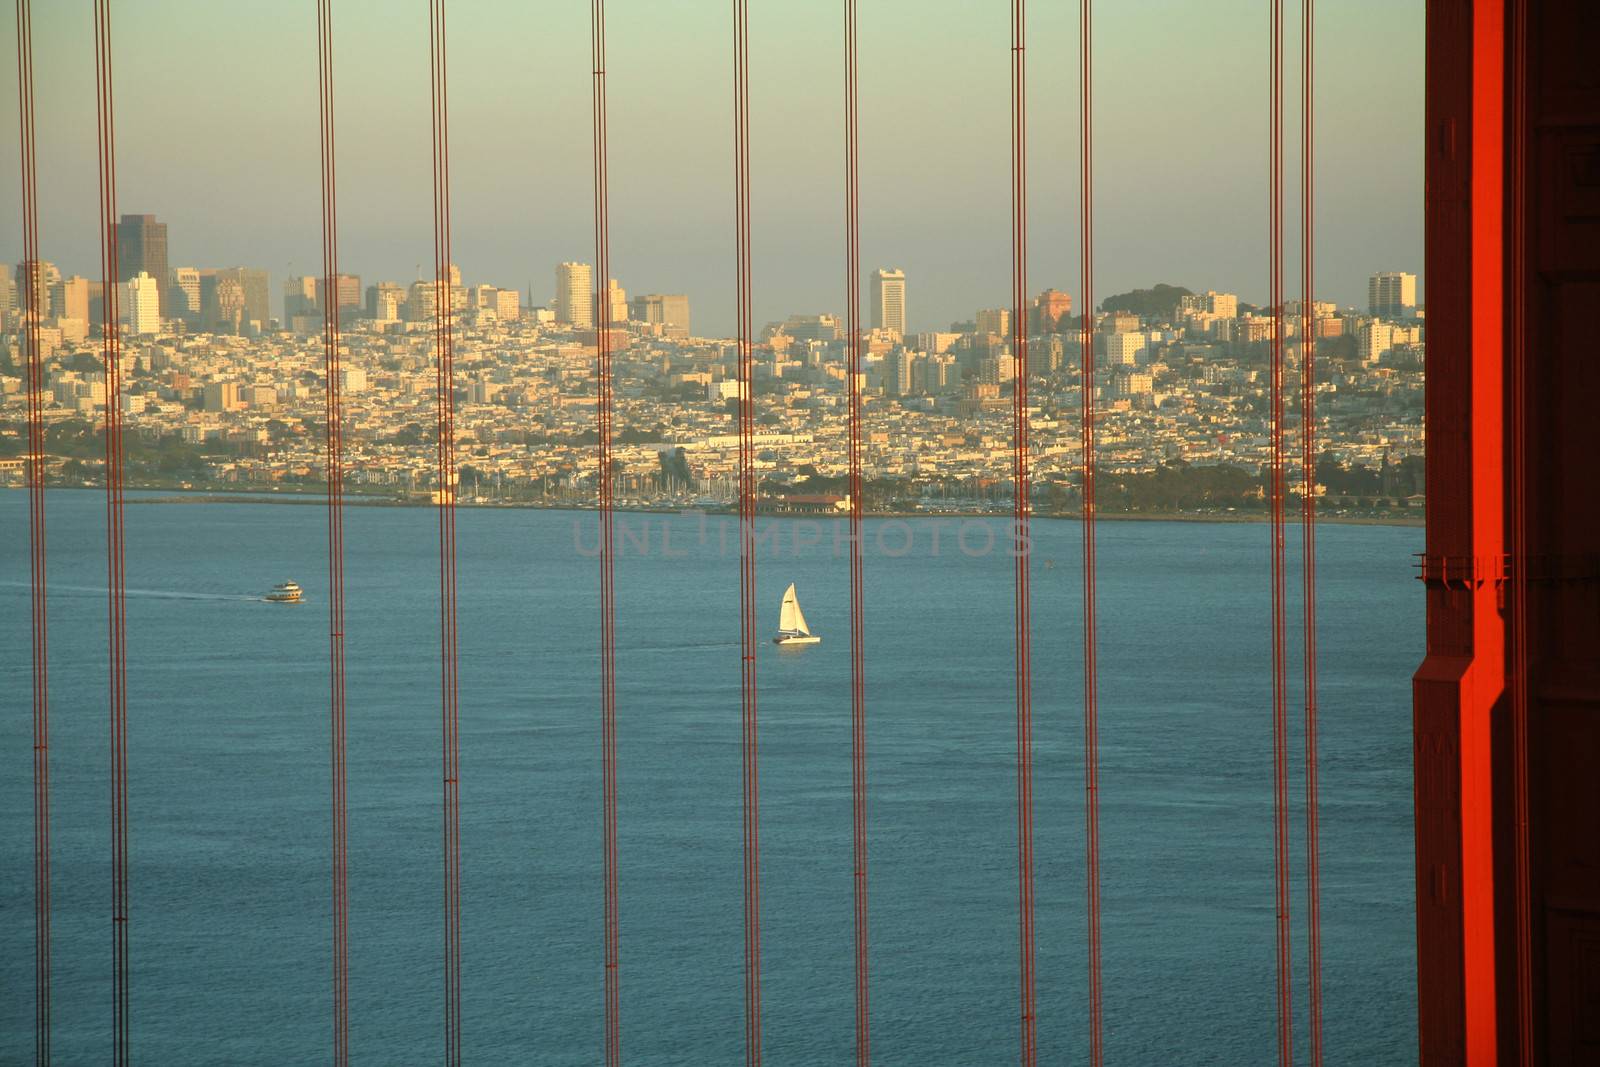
(790, 619)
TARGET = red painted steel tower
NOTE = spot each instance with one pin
(1507, 702)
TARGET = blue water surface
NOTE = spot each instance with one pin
(229, 790)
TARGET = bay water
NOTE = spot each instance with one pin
(229, 789)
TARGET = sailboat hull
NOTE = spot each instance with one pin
(786, 640)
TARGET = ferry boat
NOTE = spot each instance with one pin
(792, 628)
(285, 593)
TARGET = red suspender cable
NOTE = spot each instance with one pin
(331, 308)
(32, 283)
(1091, 681)
(747, 545)
(858, 676)
(608, 621)
(111, 354)
(1020, 505)
(1520, 756)
(1308, 506)
(444, 346)
(1275, 492)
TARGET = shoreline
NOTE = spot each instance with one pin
(257, 496)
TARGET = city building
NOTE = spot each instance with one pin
(812, 328)
(233, 297)
(669, 311)
(257, 288)
(422, 302)
(300, 298)
(617, 303)
(221, 396)
(384, 300)
(348, 289)
(1126, 349)
(1134, 383)
(1222, 305)
(142, 247)
(183, 296)
(897, 367)
(996, 321)
(141, 304)
(1392, 294)
(889, 301)
(72, 299)
(35, 277)
(1051, 312)
(507, 305)
(575, 294)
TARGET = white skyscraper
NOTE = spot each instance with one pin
(141, 306)
(1392, 294)
(889, 301)
(575, 295)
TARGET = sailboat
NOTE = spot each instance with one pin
(792, 629)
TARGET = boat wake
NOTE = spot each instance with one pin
(57, 589)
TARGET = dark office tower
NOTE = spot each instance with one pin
(142, 246)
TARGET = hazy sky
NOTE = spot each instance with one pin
(217, 135)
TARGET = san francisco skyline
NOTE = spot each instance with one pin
(219, 140)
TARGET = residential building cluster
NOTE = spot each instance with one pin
(1180, 376)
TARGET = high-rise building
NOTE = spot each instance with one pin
(1127, 348)
(348, 288)
(507, 305)
(141, 304)
(72, 299)
(575, 295)
(142, 246)
(889, 301)
(1222, 305)
(1050, 311)
(667, 310)
(257, 287)
(616, 303)
(35, 278)
(184, 295)
(231, 297)
(384, 300)
(995, 321)
(422, 302)
(8, 299)
(300, 298)
(221, 302)
(897, 368)
(1392, 294)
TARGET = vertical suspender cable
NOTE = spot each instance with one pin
(1275, 494)
(608, 624)
(1308, 507)
(32, 314)
(858, 679)
(331, 309)
(450, 696)
(1091, 680)
(1520, 755)
(111, 354)
(1020, 509)
(747, 539)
